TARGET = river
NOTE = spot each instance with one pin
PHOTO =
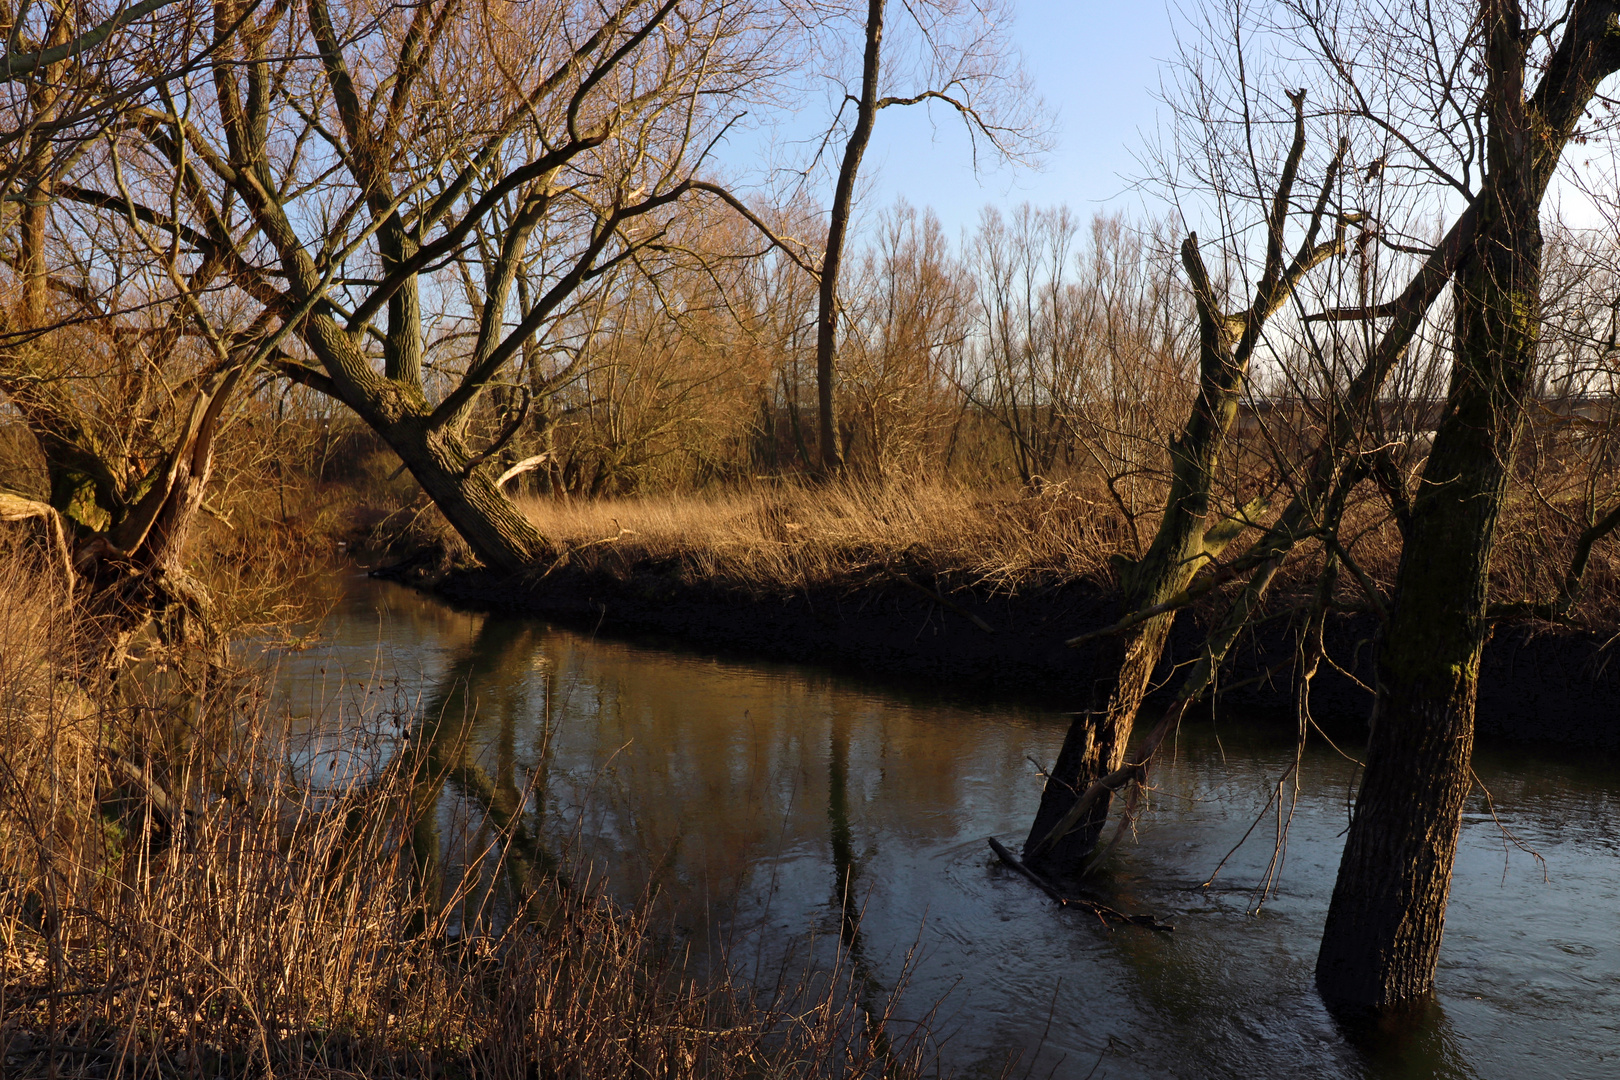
(756, 796)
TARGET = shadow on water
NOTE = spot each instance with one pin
(705, 777)
(846, 897)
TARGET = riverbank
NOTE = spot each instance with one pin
(910, 622)
(979, 589)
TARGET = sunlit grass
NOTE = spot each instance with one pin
(799, 537)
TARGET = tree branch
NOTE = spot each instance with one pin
(14, 67)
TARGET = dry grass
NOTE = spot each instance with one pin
(1535, 548)
(792, 538)
(786, 538)
(179, 898)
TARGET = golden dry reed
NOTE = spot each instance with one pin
(179, 899)
(769, 538)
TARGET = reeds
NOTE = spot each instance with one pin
(788, 537)
(783, 538)
(180, 897)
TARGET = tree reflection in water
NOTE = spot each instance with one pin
(703, 778)
(486, 686)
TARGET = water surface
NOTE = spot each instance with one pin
(755, 797)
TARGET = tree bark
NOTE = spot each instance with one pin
(1384, 925)
(1096, 741)
(480, 512)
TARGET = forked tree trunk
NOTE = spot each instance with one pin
(1067, 825)
(1382, 938)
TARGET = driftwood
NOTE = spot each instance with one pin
(1103, 912)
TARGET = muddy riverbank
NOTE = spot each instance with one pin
(1538, 684)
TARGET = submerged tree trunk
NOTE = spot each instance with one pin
(1096, 741)
(1068, 822)
(1382, 938)
(1094, 747)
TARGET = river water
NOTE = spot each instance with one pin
(756, 796)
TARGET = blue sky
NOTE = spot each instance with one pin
(1097, 67)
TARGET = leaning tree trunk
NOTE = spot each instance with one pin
(428, 439)
(1382, 938)
(1095, 746)
(1073, 806)
(468, 497)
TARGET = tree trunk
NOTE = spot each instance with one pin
(1096, 741)
(1093, 747)
(501, 537)
(431, 448)
(837, 229)
(1067, 825)
(1382, 938)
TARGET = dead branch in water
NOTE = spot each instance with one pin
(1103, 912)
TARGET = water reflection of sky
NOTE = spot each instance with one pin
(754, 796)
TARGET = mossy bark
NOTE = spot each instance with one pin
(1096, 742)
(1382, 938)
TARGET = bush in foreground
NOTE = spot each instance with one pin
(178, 897)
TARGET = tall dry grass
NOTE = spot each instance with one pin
(179, 898)
(767, 539)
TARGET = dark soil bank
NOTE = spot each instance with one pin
(1537, 685)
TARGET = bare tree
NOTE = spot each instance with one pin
(113, 352)
(1384, 933)
(369, 148)
(1080, 348)
(907, 319)
(1382, 939)
(952, 53)
(1193, 531)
